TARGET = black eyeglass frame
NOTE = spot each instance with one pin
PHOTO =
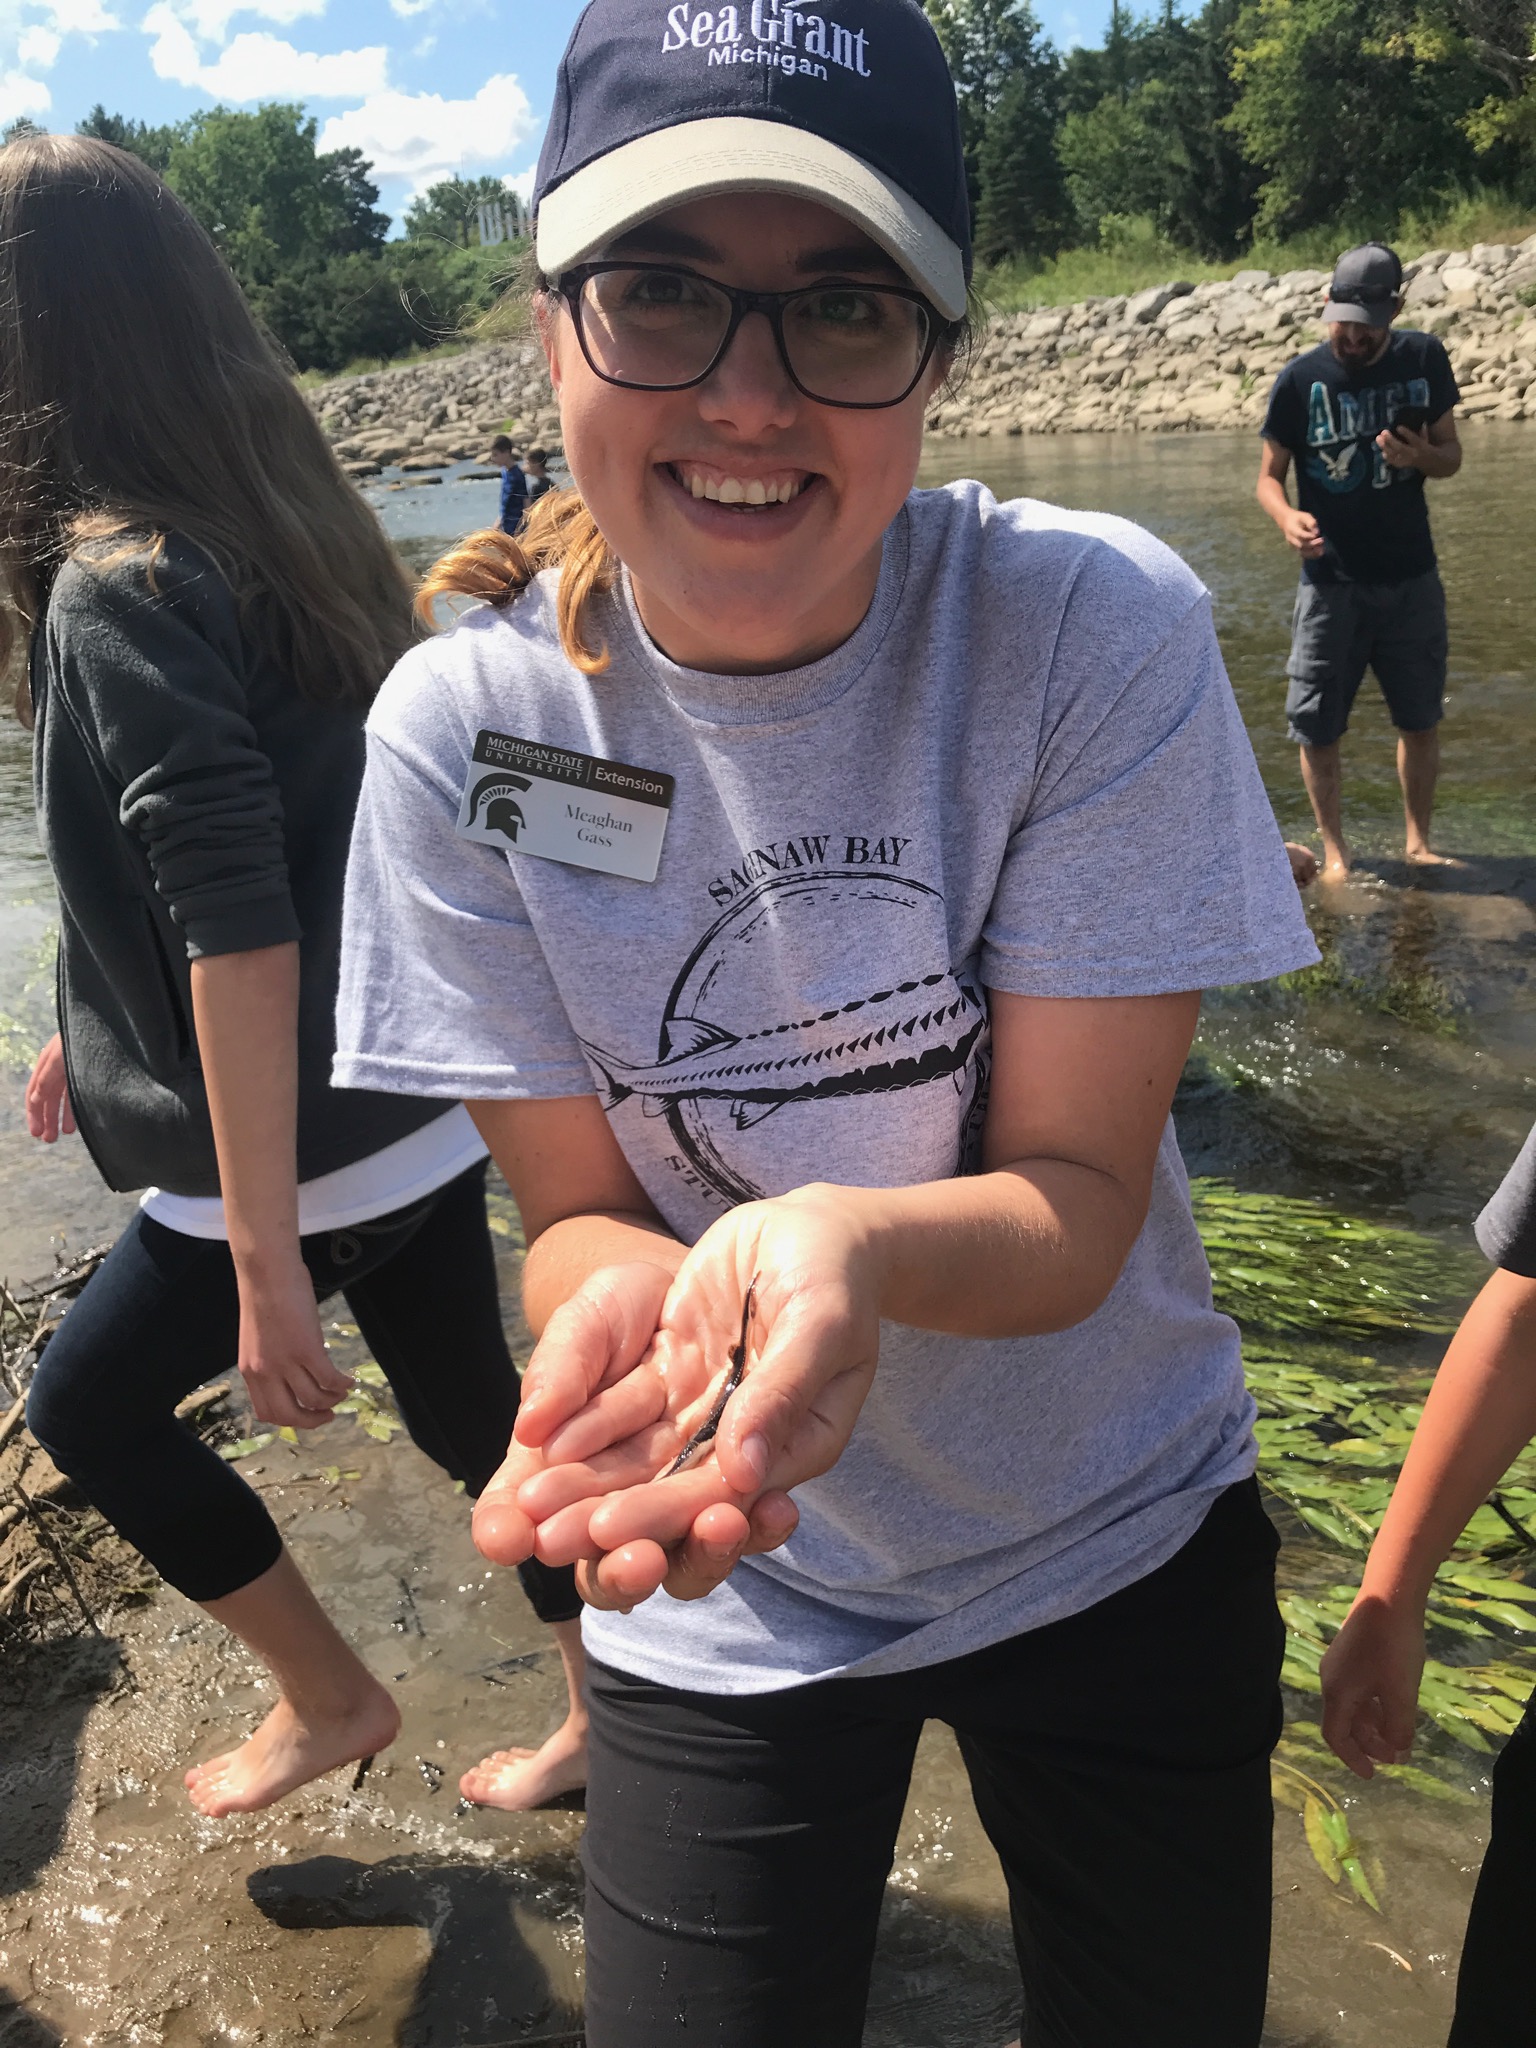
(571, 284)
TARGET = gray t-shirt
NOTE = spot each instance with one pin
(1025, 771)
(1506, 1230)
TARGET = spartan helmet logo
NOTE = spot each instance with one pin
(501, 811)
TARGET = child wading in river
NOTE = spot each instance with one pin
(764, 861)
(1481, 1413)
(208, 607)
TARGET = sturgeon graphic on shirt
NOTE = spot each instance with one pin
(732, 1051)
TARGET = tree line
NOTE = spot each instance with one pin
(302, 230)
(1249, 119)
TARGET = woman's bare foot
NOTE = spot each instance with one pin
(1337, 860)
(287, 1750)
(516, 1779)
(1303, 863)
(1426, 857)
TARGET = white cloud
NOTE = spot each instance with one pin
(259, 66)
(80, 18)
(211, 18)
(31, 35)
(406, 8)
(37, 47)
(22, 95)
(423, 137)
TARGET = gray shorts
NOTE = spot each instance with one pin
(1338, 630)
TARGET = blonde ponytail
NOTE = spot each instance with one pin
(496, 568)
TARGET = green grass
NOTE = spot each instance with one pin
(313, 380)
(1138, 256)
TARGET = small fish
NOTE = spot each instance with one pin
(894, 1038)
(707, 1428)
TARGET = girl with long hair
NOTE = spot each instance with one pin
(202, 607)
(770, 860)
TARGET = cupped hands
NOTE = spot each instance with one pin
(632, 1364)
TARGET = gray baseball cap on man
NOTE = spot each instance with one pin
(1366, 285)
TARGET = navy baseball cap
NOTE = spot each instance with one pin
(1366, 285)
(847, 102)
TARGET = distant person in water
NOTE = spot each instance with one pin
(1366, 416)
(514, 485)
(539, 479)
(208, 608)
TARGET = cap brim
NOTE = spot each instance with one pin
(1361, 315)
(699, 159)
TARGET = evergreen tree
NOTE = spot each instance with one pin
(1024, 208)
(152, 145)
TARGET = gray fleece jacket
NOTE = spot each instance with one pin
(192, 802)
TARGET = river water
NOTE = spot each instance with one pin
(1397, 1082)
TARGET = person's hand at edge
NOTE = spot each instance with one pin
(288, 1373)
(49, 1113)
(1370, 1675)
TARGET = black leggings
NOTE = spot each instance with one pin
(162, 1316)
(1493, 1986)
(737, 1848)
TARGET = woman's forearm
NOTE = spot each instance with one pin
(1021, 1251)
(246, 1010)
(1480, 1414)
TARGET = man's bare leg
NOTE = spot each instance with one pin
(516, 1779)
(1323, 776)
(1418, 770)
(331, 1709)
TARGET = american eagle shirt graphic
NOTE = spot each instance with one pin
(965, 797)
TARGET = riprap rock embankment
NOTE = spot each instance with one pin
(1176, 357)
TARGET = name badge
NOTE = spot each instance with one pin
(560, 805)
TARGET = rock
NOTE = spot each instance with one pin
(1522, 275)
(1252, 280)
(1431, 259)
(1145, 306)
(1190, 333)
(362, 468)
(1238, 312)
(1427, 288)
(1491, 255)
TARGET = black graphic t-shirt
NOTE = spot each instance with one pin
(1373, 518)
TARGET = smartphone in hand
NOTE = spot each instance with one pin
(1414, 417)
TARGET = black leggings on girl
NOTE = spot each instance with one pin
(162, 1316)
(737, 1849)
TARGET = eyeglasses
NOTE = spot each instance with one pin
(655, 327)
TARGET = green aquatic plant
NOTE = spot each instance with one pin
(1413, 995)
(26, 1027)
(1280, 1263)
(1307, 1283)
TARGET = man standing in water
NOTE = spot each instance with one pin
(1367, 415)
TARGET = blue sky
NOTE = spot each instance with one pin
(424, 88)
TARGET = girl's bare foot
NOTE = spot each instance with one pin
(516, 1779)
(1426, 857)
(288, 1749)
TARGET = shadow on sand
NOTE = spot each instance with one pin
(484, 1983)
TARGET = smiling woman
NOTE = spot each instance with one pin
(874, 1322)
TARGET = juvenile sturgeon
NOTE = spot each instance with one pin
(711, 1423)
(893, 1038)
